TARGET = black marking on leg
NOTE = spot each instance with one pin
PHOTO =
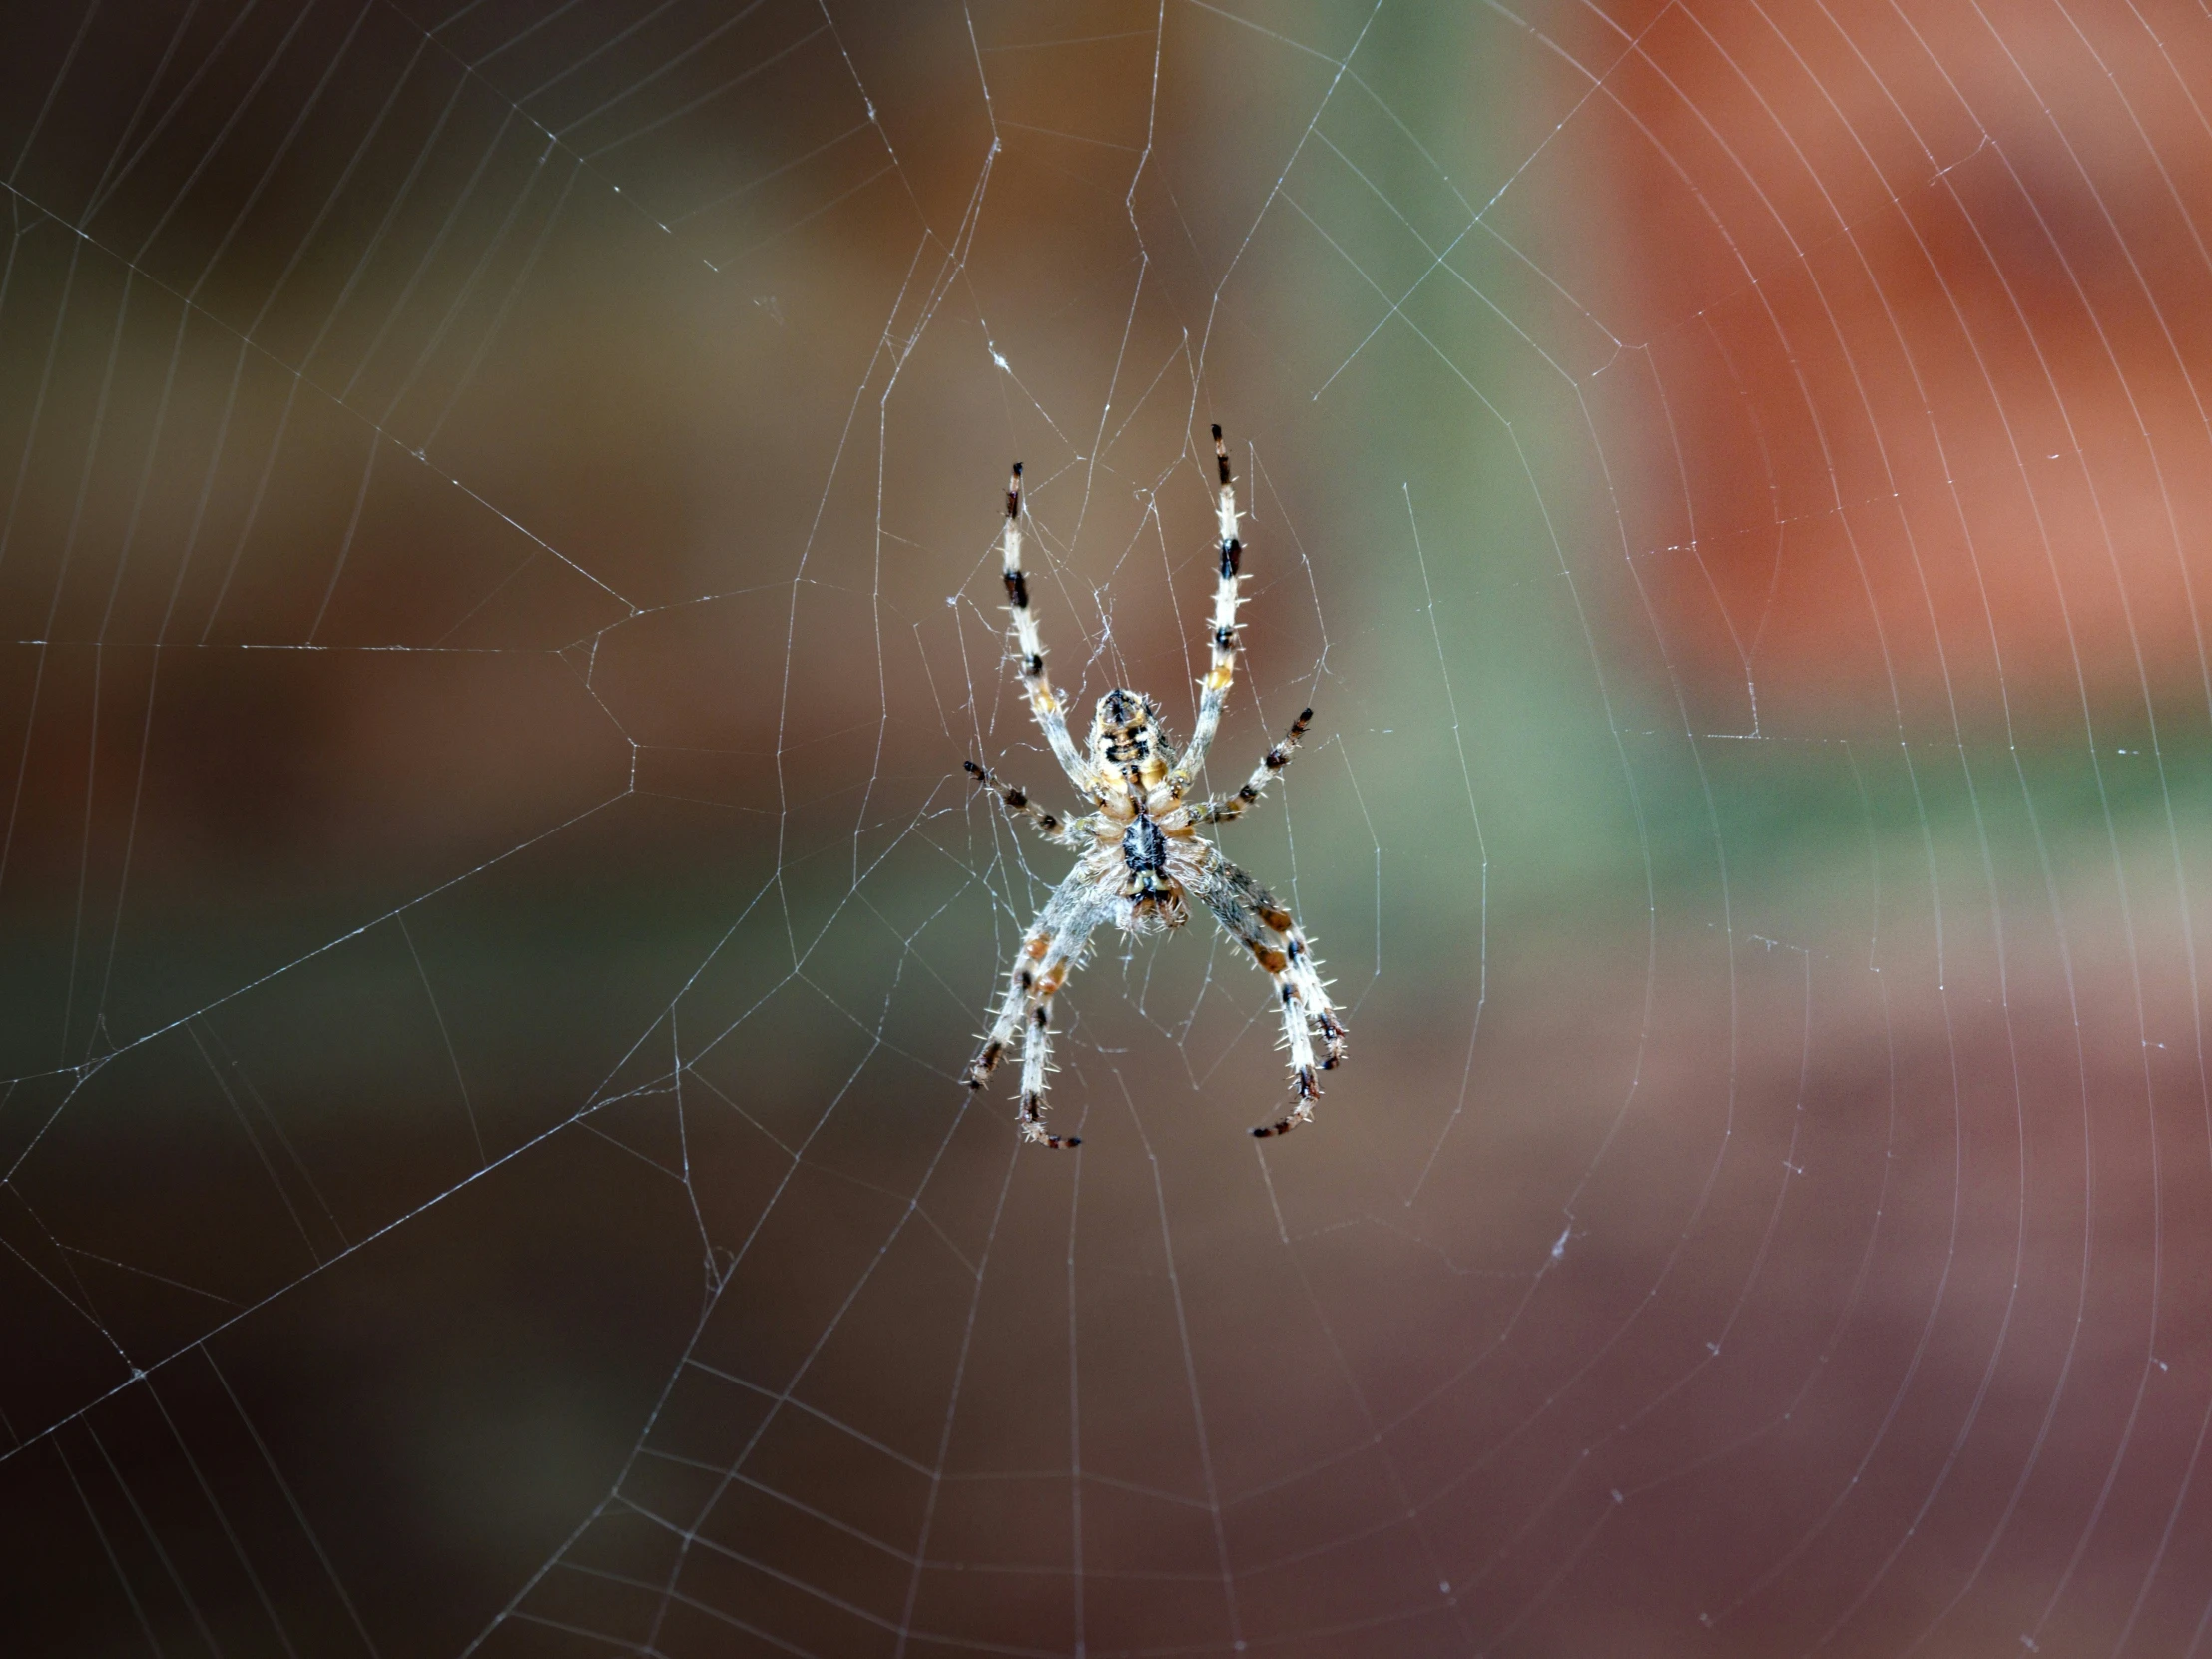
(1224, 639)
(1033, 666)
(985, 1061)
(1042, 1017)
(1231, 551)
(1032, 1112)
(1013, 493)
(1303, 1084)
(1221, 456)
(1017, 589)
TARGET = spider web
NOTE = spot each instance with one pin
(500, 573)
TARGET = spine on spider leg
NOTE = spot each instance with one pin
(1034, 1060)
(1018, 992)
(1313, 993)
(1305, 1087)
(1305, 999)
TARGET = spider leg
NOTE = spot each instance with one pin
(1060, 959)
(1063, 903)
(1222, 671)
(1049, 824)
(1040, 966)
(1221, 811)
(1044, 701)
(1250, 914)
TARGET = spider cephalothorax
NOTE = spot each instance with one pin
(1140, 856)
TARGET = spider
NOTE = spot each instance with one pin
(1142, 859)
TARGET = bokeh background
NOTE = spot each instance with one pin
(498, 580)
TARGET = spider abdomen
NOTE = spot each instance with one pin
(1145, 849)
(1152, 895)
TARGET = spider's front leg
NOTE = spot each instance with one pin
(1044, 701)
(1250, 914)
(1221, 671)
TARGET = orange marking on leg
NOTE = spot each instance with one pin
(1272, 960)
(1280, 920)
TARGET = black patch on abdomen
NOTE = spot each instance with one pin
(1143, 848)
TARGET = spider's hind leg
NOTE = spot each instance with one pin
(1060, 959)
(1250, 915)
(1049, 951)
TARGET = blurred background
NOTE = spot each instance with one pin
(499, 577)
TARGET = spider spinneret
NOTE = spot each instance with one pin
(1140, 858)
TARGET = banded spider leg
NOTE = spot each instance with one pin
(1044, 701)
(1221, 671)
(1049, 953)
(1250, 915)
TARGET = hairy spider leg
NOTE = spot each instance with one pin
(1250, 914)
(1049, 949)
(1049, 824)
(1060, 959)
(1275, 758)
(1044, 701)
(1067, 898)
(1222, 671)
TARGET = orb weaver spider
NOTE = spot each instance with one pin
(1141, 859)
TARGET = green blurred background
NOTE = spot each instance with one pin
(502, 577)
